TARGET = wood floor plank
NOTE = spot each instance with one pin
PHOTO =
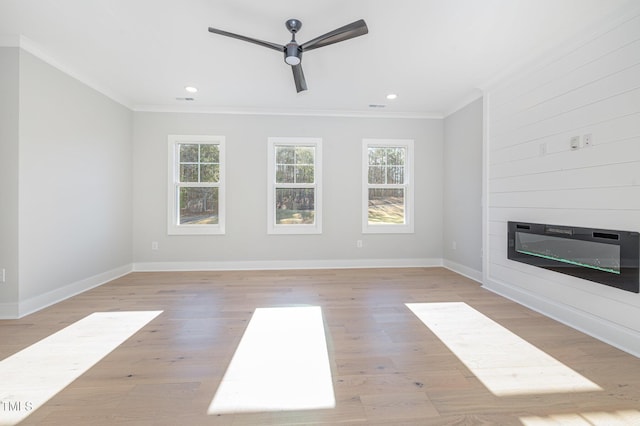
(387, 367)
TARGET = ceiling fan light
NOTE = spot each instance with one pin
(292, 60)
(292, 55)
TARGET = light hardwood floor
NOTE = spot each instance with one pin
(387, 366)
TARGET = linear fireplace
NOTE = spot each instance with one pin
(605, 256)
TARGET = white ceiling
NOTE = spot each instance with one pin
(435, 54)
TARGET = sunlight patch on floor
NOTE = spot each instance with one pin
(505, 363)
(281, 363)
(34, 375)
(598, 418)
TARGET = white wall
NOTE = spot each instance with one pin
(246, 243)
(590, 87)
(462, 195)
(75, 186)
(9, 72)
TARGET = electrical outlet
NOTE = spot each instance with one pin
(359, 243)
(454, 245)
(3, 276)
(154, 245)
(587, 140)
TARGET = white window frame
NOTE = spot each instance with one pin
(173, 202)
(408, 186)
(272, 227)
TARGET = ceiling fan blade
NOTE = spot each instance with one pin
(298, 77)
(351, 30)
(267, 44)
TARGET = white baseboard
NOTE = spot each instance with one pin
(42, 301)
(285, 264)
(616, 335)
(463, 270)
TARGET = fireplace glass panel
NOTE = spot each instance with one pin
(588, 254)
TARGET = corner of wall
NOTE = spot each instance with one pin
(463, 270)
(42, 301)
(8, 311)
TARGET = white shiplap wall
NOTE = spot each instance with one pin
(531, 174)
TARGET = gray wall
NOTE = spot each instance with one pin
(462, 224)
(75, 185)
(246, 243)
(9, 76)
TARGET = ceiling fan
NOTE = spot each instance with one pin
(293, 51)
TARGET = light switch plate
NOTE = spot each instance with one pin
(574, 142)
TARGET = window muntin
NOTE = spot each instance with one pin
(387, 186)
(386, 165)
(294, 186)
(196, 187)
(295, 164)
(199, 162)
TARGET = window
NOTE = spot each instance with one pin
(196, 185)
(294, 191)
(387, 189)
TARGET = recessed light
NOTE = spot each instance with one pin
(392, 96)
(191, 89)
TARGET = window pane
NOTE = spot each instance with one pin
(198, 206)
(285, 154)
(285, 174)
(188, 172)
(210, 173)
(376, 156)
(386, 206)
(395, 175)
(376, 174)
(305, 155)
(395, 156)
(295, 206)
(209, 153)
(188, 153)
(304, 174)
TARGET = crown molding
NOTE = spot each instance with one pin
(286, 112)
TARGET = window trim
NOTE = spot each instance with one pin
(173, 228)
(389, 228)
(272, 227)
